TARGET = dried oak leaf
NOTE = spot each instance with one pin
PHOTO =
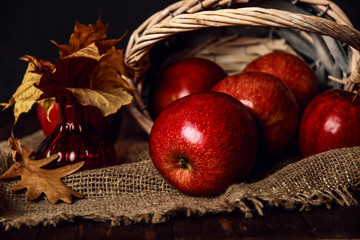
(27, 94)
(36, 179)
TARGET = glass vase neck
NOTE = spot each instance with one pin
(74, 140)
(71, 116)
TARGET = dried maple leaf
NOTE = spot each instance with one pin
(96, 81)
(107, 73)
(42, 66)
(84, 35)
(70, 72)
(88, 64)
(108, 90)
(108, 101)
(47, 104)
(91, 51)
(36, 179)
(27, 94)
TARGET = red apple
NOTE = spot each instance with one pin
(271, 103)
(187, 76)
(332, 120)
(204, 142)
(108, 127)
(293, 71)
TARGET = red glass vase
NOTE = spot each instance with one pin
(75, 140)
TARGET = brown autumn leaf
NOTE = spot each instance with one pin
(96, 80)
(36, 179)
(84, 35)
(108, 90)
(89, 62)
(42, 66)
(71, 72)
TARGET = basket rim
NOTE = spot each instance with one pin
(151, 32)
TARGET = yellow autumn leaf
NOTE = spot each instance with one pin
(90, 51)
(47, 104)
(26, 94)
(107, 74)
(108, 90)
(88, 61)
(108, 101)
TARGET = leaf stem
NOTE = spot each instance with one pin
(17, 148)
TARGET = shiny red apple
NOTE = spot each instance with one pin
(204, 142)
(272, 104)
(331, 121)
(293, 71)
(185, 77)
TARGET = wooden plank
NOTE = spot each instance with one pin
(279, 224)
(135, 231)
(63, 231)
(25, 233)
(158, 231)
(198, 228)
(338, 222)
(83, 229)
(319, 223)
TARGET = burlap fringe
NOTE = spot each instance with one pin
(298, 186)
(248, 205)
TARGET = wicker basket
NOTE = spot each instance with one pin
(233, 32)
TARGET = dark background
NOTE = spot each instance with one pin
(26, 27)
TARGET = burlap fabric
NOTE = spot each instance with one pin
(135, 191)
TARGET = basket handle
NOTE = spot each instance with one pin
(141, 42)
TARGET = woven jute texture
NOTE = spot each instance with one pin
(135, 192)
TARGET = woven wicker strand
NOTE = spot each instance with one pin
(190, 15)
(244, 16)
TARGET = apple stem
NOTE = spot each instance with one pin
(357, 94)
(184, 163)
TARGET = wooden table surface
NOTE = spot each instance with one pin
(339, 222)
(319, 223)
